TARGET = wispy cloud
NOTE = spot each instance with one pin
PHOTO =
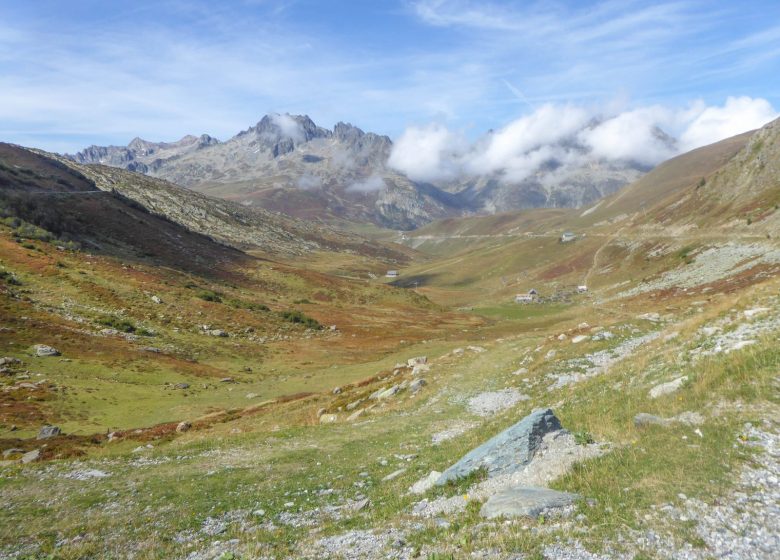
(77, 74)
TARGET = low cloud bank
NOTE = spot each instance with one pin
(371, 184)
(568, 136)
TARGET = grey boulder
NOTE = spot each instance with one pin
(526, 502)
(48, 432)
(507, 452)
(43, 351)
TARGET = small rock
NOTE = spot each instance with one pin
(579, 338)
(411, 362)
(355, 415)
(328, 418)
(337, 391)
(156, 299)
(183, 427)
(217, 332)
(31, 456)
(361, 504)
(643, 419)
(13, 451)
(667, 388)
(417, 384)
(750, 313)
(227, 380)
(43, 351)
(393, 475)
(387, 393)
(354, 405)
(182, 386)
(525, 502)
(425, 483)
(48, 432)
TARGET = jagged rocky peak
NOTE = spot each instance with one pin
(206, 140)
(347, 132)
(368, 147)
(298, 128)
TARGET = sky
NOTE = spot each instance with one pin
(434, 75)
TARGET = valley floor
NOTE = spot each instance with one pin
(323, 477)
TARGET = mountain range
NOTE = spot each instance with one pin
(286, 163)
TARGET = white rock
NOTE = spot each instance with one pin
(419, 360)
(355, 415)
(740, 345)
(425, 483)
(750, 313)
(393, 475)
(667, 388)
(579, 338)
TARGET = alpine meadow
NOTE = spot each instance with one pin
(415, 279)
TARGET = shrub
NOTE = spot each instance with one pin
(119, 323)
(239, 304)
(295, 316)
(208, 295)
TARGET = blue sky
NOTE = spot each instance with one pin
(97, 72)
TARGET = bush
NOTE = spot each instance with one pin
(296, 316)
(10, 278)
(119, 323)
(208, 295)
(239, 304)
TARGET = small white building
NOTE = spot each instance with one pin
(567, 236)
(392, 274)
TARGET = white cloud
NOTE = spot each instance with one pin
(427, 153)
(738, 115)
(289, 127)
(522, 145)
(559, 138)
(371, 184)
(631, 136)
(308, 182)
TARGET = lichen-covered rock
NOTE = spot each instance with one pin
(509, 451)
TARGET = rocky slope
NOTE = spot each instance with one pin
(240, 226)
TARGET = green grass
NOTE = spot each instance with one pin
(519, 312)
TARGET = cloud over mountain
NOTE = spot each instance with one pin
(568, 136)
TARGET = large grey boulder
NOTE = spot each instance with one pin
(525, 502)
(509, 451)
